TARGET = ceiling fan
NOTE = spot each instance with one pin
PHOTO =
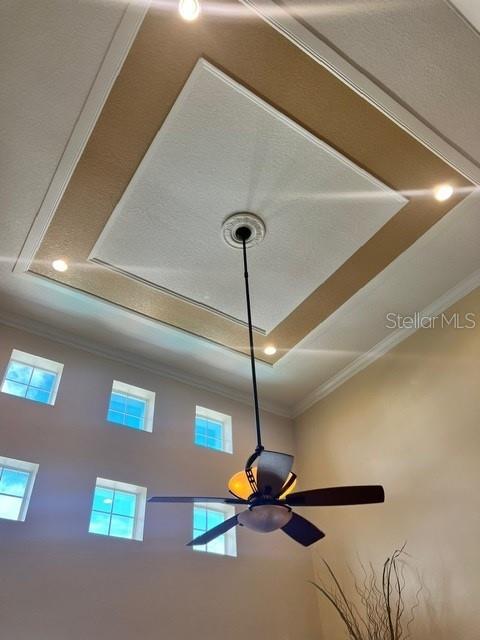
(266, 485)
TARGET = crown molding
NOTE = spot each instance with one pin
(43, 330)
(466, 13)
(441, 304)
(280, 19)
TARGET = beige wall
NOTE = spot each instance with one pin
(57, 581)
(410, 421)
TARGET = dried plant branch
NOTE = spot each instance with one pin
(380, 614)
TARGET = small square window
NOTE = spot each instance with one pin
(131, 406)
(213, 430)
(205, 517)
(16, 484)
(118, 510)
(32, 377)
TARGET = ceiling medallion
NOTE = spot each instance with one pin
(247, 220)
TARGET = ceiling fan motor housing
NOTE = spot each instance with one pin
(265, 518)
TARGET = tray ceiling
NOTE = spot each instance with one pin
(418, 254)
(263, 75)
(221, 150)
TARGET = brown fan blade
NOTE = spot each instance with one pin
(336, 496)
(190, 499)
(210, 535)
(272, 472)
(302, 531)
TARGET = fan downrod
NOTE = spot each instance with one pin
(243, 233)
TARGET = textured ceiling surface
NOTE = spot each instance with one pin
(390, 41)
(50, 53)
(423, 54)
(222, 150)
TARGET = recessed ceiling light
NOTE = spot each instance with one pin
(270, 350)
(443, 192)
(189, 9)
(59, 265)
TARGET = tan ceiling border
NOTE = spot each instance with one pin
(254, 54)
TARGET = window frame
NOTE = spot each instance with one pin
(129, 390)
(36, 362)
(140, 506)
(27, 467)
(214, 416)
(230, 537)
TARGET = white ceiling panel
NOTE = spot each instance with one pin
(223, 150)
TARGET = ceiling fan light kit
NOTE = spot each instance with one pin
(266, 485)
(265, 518)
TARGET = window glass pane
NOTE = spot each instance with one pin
(214, 430)
(99, 523)
(200, 423)
(43, 379)
(217, 545)
(209, 433)
(213, 444)
(135, 407)
(214, 518)
(117, 402)
(200, 439)
(14, 482)
(121, 527)
(199, 519)
(132, 421)
(199, 526)
(103, 499)
(205, 519)
(38, 395)
(14, 388)
(124, 503)
(19, 372)
(10, 507)
(114, 416)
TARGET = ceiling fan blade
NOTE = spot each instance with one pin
(272, 472)
(335, 496)
(219, 530)
(191, 499)
(302, 530)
